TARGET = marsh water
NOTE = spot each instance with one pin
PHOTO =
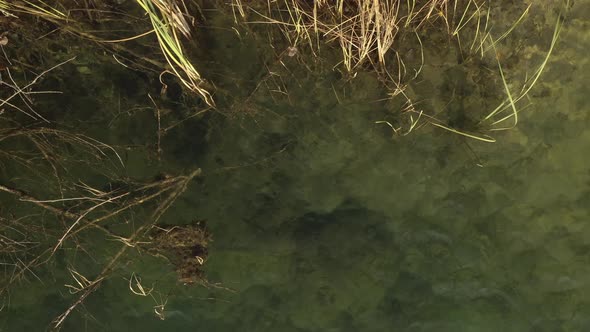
(324, 220)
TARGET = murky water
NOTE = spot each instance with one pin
(322, 221)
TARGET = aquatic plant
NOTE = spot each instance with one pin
(169, 19)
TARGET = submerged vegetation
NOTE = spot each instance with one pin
(65, 185)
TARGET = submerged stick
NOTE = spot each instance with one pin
(23, 196)
(141, 231)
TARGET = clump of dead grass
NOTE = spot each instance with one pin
(368, 33)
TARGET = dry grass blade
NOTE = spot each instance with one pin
(92, 146)
(82, 215)
(136, 287)
(24, 91)
(37, 8)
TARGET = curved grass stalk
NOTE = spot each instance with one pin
(510, 102)
(483, 138)
(510, 99)
(478, 27)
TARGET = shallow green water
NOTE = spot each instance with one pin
(324, 222)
